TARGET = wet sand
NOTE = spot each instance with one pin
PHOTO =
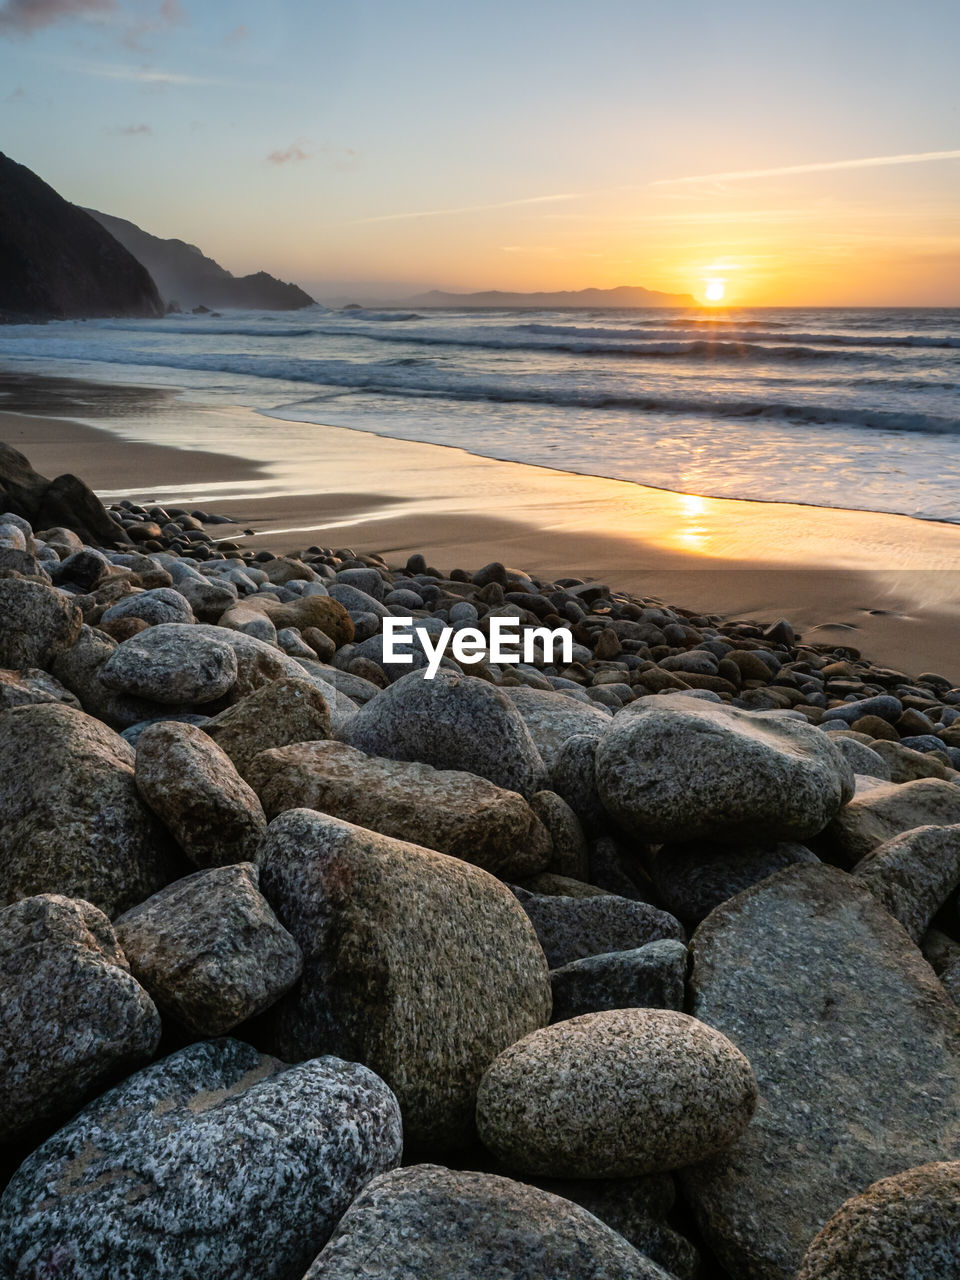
(886, 585)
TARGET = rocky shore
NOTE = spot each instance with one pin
(644, 965)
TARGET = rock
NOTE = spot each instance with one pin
(275, 715)
(614, 1095)
(692, 879)
(66, 502)
(424, 1222)
(906, 1227)
(673, 769)
(638, 1208)
(650, 977)
(318, 612)
(572, 928)
(884, 706)
(906, 765)
(152, 607)
(551, 720)
(886, 811)
(26, 688)
(71, 821)
(453, 812)
(37, 623)
(574, 779)
(72, 1017)
(208, 598)
(194, 789)
(818, 986)
(173, 663)
(452, 722)
(571, 855)
(136, 731)
(79, 671)
(914, 874)
(863, 759)
(400, 968)
(209, 949)
(216, 1163)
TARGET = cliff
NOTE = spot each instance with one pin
(56, 262)
(187, 277)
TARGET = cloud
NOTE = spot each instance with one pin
(145, 74)
(133, 130)
(482, 208)
(819, 166)
(295, 152)
(24, 17)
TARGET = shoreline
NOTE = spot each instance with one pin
(887, 585)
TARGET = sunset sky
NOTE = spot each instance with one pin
(524, 145)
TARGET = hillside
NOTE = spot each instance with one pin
(56, 262)
(187, 277)
(624, 296)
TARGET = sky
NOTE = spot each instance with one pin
(782, 153)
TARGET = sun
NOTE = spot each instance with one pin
(714, 290)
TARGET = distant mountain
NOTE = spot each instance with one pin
(56, 262)
(627, 295)
(186, 277)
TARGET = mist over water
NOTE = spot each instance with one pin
(847, 408)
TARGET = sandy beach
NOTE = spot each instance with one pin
(886, 585)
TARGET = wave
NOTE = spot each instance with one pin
(362, 314)
(408, 381)
(812, 339)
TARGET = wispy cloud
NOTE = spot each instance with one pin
(824, 166)
(480, 208)
(132, 130)
(23, 17)
(145, 74)
(818, 166)
(294, 153)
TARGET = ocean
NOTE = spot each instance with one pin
(841, 408)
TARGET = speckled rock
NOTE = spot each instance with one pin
(207, 598)
(78, 669)
(902, 1228)
(551, 720)
(319, 612)
(886, 811)
(71, 1016)
(279, 713)
(673, 769)
(36, 623)
(574, 778)
(453, 812)
(400, 971)
(209, 949)
(614, 1095)
(25, 688)
(194, 789)
(650, 977)
(424, 1222)
(692, 879)
(819, 986)
(914, 874)
(571, 854)
(163, 604)
(638, 1208)
(861, 758)
(71, 821)
(451, 722)
(174, 663)
(216, 1163)
(572, 928)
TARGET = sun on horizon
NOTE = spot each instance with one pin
(714, 289)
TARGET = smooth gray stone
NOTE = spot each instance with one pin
(821, 988)
(162, 604)
(425, 1222)
(914, 874)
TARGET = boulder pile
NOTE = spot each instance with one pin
(636, 967)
